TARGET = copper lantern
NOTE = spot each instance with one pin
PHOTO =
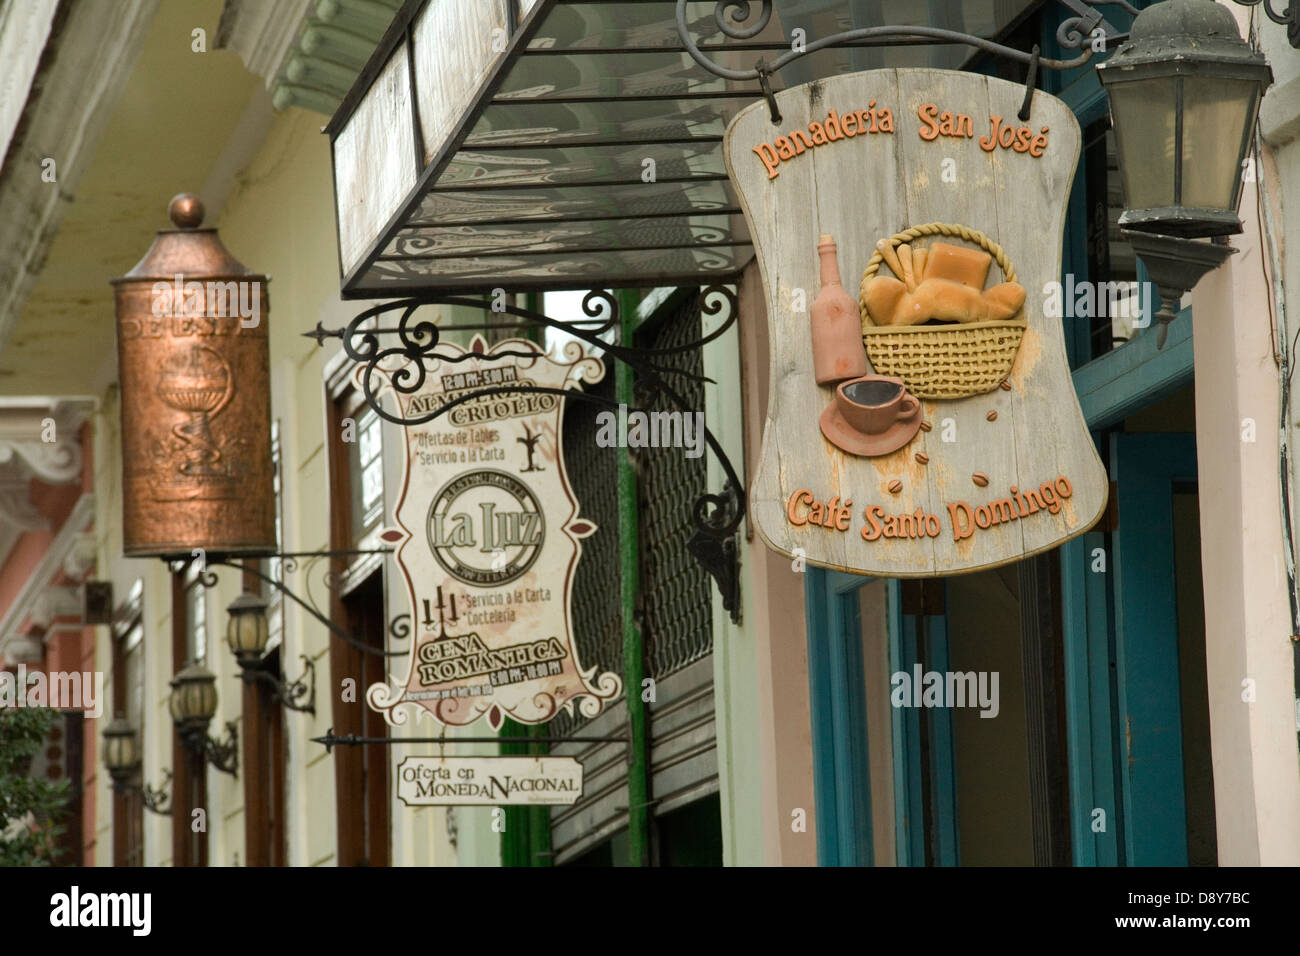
(194, 370)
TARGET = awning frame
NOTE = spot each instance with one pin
(404, 239)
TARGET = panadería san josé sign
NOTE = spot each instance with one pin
(487, 535)
(921, 420)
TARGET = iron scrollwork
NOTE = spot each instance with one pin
(716, 516)
(1289, 18)
(299, 695)
(291, 562)
(1077, 32)
(223, 754)
(156, 800)
(153, 799)
(733, 21)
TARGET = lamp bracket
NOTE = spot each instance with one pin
(223, 754)
(289, 562)
(288, 693)
(1175, 264)
(153, 799)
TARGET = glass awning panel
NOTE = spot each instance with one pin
(579, 146)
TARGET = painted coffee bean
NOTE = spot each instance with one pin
(895, 486)
(923, 458)
(992, 415)
(980, 479)
(925, 426)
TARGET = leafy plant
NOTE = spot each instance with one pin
(30, 809)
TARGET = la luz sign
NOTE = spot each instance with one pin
(487, 536)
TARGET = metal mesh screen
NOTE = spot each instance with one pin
(593, 471)
(676, 599)
(677, 610)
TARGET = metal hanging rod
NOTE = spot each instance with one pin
(412, 345)
(288, 564)
(331, 740)
(732, 16)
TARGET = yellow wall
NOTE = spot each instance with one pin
(278, 221)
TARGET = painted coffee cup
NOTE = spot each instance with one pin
(873, 404)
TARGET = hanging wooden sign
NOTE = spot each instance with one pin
(488, 781)
(487, 535)
(921, 416)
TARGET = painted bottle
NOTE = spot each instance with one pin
(836, 326)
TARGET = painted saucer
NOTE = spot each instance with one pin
(844, 436)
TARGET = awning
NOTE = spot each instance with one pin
(578, 147)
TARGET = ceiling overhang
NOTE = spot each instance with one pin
(574, 143)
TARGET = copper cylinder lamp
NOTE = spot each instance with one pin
(194, 370)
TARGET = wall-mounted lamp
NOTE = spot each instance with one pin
(122, 759)
(1184, 92)
(247, 633)
(193, 704)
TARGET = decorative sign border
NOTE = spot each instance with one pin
(487, 537)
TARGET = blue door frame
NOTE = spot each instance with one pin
(915, 639)
(841, 776)
(1145, 468)
(838, 698)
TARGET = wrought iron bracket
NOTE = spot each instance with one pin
(288, 564)
(332, 740)
(733, 20)
(288, 693)
(1289, 18)
(717, 552)
(716, 516)
(153, 799)
(221, 754)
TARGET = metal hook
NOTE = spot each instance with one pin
(766, 86)
(1030, 84)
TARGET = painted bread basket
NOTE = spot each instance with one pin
(974, 353)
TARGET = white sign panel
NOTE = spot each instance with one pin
(483, 781)
(487, 534)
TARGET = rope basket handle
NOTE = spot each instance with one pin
(953, 230)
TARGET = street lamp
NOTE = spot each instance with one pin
(1184, 93)
(121, 753)
(122, 758)
(193, 704)
(247, 633)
